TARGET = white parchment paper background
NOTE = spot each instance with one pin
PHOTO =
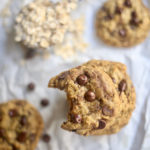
(14, 76)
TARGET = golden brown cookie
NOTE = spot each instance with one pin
(21, 126)
(100, 95)
(123, 23)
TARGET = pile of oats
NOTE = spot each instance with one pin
(45, 25)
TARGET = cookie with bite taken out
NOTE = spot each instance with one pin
(100, 95)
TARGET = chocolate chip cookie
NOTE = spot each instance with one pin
(123, 23)
(21, 126)
(100, 95)
(123, 84)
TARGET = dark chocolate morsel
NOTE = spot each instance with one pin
(44, 102)
(46, 138)
(13, 113)
(82, 79)
(128, 3)
(107, 111)
(102, 124)
(122, 86)
(22, 137)
(31, 86)
(90, 96)
(23, 120)
(75, 118)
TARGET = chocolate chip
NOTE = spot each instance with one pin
(1, 118)
(31, 86)
(102, 124)
(122, 86)
(44, 102)
(32, 137)
(122, 32)
(63, 75)
(14, 147)
(108, 17)
(90, 96)
(128, 3)
(87, 74)
(23, 120)
(101, 101)
(75, 118)
(118, 10)
(133, 14)
(108, 14)
(22, 137)
(13, 113)
(74, 130)
(134, 21)
(30, 53)
(82, 79)
(107, 111)
(46, 138)
(2, 131)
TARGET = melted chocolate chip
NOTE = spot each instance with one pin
(90, 96)
(31, 86)
(107, 111)
(44, 102)
(23, 120)
(2, 131)
(122, 32)
(82, 79)
(128, 3)
(75, 118)
(46, 138)
(102, 124)
(13, 113)
(22, 137)
(122, 86)
(30, 53)
(32, 137)
(118, 10)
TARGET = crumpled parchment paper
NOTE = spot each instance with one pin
(15, 74)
